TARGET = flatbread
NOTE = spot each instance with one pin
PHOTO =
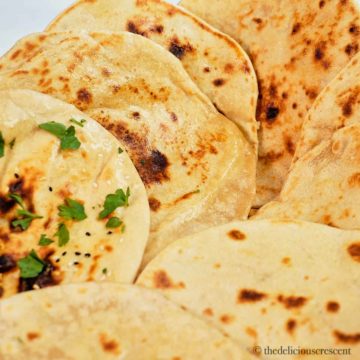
(214, 61)
(323, 184)
(198, 168)
(272, 283)
(106, 321)
(296, 47)
(35, 168)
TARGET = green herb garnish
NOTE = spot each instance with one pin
(73, 210)
(68, 139)
(120, 150)
(79, 123)
(18, 199)
(30, 266)
(2, 145)
(113, 201)
(44, 241)
(63, 235)
(25, 221)
(113, 223)
(104, 271)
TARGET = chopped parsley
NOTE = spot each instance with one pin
(113, 223)
(18, 199)
(113, 201)
(26, 218)
(63, 235)
(30, 266)
(12, 143)
(2, 145)
(73, 210)
(44, 241)
(79, 123)
(104, 271)
(120, 150)
(68, 139)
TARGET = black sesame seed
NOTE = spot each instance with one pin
(87, 255)
(87, 234)
(76, 263)
(109, 232)
(57, 260)
(64, 253)
(50, 189)
(77, 253)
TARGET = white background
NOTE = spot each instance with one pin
(21, 17)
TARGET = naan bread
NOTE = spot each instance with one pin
(35, 168)
(268, 283)
(106, 321)
(198, 168)
(324, 182)
(215, 62)
(297, 47)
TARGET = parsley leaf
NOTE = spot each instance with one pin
(30, 266)
(18, 199)
(44, 241)
(25, 221)
(113, 223)
(2, 145)
(73, 210)
(63, 235)
(79, 123)
(113, 201)
(120, 150)
(68, 139)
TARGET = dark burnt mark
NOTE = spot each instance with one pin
(321, 4)
(351, 49)
(16, 186)
(6, 205)
(311, 93)
(4, 236)
(295, 28)
(271, 114)
(319, 54)
(32, 336)
(354, 251)
(44, 279)
(236, 235)
(291, 302)
(132, 27)
(1, 291)
(290, 146)
(218, 109)
(84, 96)
(157, 29)
(347, 107)
(173, 117)
(257, 20)
(155, 204)
(136, 115)
(290, 326)
(246, 296)
(7, 263)
(354, 30)
(270, 157)
(347, 338)
(162, 281)
(206, 69)
(178, 49)
(219, 82)
(294, 106)
(332, 306)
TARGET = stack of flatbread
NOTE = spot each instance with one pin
(182, 182)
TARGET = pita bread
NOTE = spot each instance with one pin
(296, 47)
(272, 283)
(106, 321)
(215, 62)
(323, 184)
(35, 168)
(198, 168)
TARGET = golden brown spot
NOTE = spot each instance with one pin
(246, 295)
(7, 263)
(229, 68)
(286, 261)
(206, 69)
(290, 326)
(251, 332)
(236, 235)
(295, 28)
(185, 196)
(217, 266)
(332, 306)
(84, 96)
(32, 336)
(208, 312)
(173, 117)
(163, 281)
(15, 54)
(226, 319)
(219, 82)
(321, 4)
(291, 302)
(108, 248)
(354, 180)
(109, 345)
(106, 72)
(354, 251)
(133, 28)
(289, 145)
(351, 49)
(347, 338)
(155, 204)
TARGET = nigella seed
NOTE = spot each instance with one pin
(87, 234)
(64, 253)
(109, 232)
(77, 253)
(76, 263)
(87, 255)
(50, 189)
(57, 260)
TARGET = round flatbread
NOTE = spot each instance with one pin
(53, 187)
(214, 61)
(197, 166)
(106, 321)
(272, 284)
(297, 47)
(323, 183)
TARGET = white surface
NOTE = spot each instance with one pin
(22, 17)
